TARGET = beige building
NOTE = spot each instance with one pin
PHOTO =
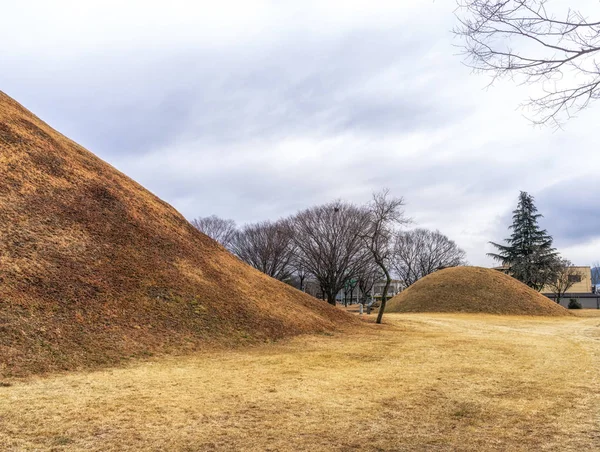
(582, 281)
(581, 290)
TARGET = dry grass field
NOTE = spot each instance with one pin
(421, 382)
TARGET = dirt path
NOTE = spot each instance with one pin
(421, 382)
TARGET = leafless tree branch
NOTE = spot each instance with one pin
(419, 252)
(385, 215)
(328, 243)
(268, 247)
(523, 39)
(562, 279)
(216, 228)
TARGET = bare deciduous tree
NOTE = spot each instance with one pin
(564, 275)
(329, 245)
(529, 41)
(266, 246)
(349, 288)
(367, 276)
(596, 275)
(407, 249)
(300, 274)
(419, 252)
(216, 228)
(385, 215)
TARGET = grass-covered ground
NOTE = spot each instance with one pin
(421, 382)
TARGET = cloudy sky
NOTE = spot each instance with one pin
(252, 110)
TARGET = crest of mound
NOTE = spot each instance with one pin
(473, 290)
(95, 269)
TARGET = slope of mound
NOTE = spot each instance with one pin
(95, 269)
(475, 290)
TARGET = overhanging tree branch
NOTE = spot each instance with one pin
(524, 40)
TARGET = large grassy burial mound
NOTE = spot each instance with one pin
(474, 290)
(95, 269)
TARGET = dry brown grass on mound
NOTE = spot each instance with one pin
(476, 290)
(95, 269)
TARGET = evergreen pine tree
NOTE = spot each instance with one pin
(528, 254)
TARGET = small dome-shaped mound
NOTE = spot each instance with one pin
(473, 290)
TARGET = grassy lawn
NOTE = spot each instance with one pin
(420, 382)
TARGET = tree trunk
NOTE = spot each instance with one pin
(388, 281)
(331, 298)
